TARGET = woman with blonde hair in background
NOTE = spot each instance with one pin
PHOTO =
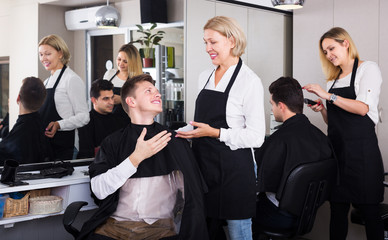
(128, 65)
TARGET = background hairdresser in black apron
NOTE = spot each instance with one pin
(65, 108)
(351, 115)
(128, 65)
(229, 122)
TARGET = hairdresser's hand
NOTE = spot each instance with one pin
(202, 130)
(317, 107)
(51, 129)
(317, 90)
(145, 149)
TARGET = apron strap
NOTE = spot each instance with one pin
(236, 71)
(110, 80)
(59, 77)
(353, 77)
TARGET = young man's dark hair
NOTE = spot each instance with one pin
(288, 91)
(100, 85)
(129, 87)
(32, 93)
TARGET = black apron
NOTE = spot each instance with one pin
(228, 173)
(61, 146)
(118, 109)
(355, 144)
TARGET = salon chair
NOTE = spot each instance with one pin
(71, 213)
(307, 187)
(357, 218)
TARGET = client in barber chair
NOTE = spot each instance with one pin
(147, 182)
(296, 141)
(26, 143)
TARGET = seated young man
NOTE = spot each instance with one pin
(147, 182)
(102, 121)
(296, 141)
(26, 143)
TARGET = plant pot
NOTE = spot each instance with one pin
(148, 62)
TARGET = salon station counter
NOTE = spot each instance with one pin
(75, 187)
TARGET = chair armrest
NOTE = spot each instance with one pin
(69, 216)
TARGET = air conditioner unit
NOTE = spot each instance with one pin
(81, 19)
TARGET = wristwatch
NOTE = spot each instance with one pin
(333, 97)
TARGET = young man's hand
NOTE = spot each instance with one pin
(146, 149)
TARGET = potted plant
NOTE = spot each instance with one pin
(149, 39)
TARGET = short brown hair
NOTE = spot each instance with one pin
(130, 86)
(32, 93)
(58, 44)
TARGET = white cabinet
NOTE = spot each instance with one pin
(71, 188)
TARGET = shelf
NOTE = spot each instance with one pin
(75, 187)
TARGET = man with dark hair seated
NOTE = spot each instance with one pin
(102, 121)
(296, 141)
(147, 183)
(26, 143)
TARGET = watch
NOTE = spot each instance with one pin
(332, 99)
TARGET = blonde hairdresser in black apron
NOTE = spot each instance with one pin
(65, 108)
(229, 122)
(351, 115)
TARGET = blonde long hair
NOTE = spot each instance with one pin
(339, 35)
(134, 59)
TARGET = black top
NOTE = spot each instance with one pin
(26, 142)
(296, 141)
(92, 134)
(177, 155)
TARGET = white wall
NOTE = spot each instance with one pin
(365, 21)
(22, 47)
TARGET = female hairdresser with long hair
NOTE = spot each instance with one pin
(128, 65)
(353, 89)
(229, 121)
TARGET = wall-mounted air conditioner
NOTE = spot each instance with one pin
(81, 19)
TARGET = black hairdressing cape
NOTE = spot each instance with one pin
(177, 155)
(26, 142)
(297, 141)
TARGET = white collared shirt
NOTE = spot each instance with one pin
(244, 108)
(70, 99)
(367, 86)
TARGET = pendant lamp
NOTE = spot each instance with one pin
(107, 17)
(287, 4)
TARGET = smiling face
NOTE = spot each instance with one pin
(50, 58)
(122, 61)
(104, 103)
(218, 46)
(335, 52)
(147, 98)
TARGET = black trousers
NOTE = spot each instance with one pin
(374, 226)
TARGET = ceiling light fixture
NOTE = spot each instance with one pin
(107, 17)
(287, 4)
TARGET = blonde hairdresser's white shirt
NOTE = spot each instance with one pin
(367, 86)
(244, 108)
(70, 101)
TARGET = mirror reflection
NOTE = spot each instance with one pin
(76, 117)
